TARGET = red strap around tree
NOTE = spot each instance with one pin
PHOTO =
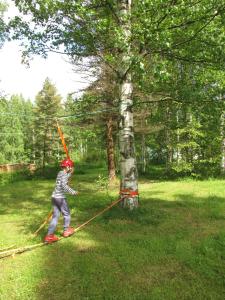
(129, 193)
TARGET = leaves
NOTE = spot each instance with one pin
(48, 106)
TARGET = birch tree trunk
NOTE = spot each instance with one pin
(128, 164)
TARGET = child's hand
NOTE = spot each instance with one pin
(77, 193)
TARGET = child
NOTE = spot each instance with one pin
(59, 202)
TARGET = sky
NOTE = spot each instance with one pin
(16, 78)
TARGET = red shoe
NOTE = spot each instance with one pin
(51, 238)
(69, 231)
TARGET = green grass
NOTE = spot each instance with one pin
(172, 247)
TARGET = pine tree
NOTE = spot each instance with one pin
(48, 106)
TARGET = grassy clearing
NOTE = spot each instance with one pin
(172, 247)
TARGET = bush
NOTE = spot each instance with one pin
(49, 172)
(6, 178)
(206, 168)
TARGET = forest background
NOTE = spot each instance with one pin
(178, 92)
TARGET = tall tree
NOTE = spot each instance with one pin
(102, 97)
(126, 126)
(84, 130)
(48, 106)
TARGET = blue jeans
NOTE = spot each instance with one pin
(59, 206)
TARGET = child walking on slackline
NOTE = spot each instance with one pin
(59, 202)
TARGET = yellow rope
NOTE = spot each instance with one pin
(12, 252)
(43, 224)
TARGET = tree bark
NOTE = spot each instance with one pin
(222, 166)
(178, 154)
(34, 148)
(143, 153)
(128, 164)
(110, 150)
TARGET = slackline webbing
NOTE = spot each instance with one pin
(13, 252)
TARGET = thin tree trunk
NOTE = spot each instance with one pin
(44, 150)
(82, 149)
(128, 164)
(222, 144)
(34, 148)
(178, 138)
(143, 153)
(43, 158)
(110, 150)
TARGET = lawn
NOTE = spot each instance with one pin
(172, 247)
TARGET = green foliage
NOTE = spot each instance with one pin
(85, 132)
(12, 177)
(49, 172)
(179, 32)
(3, 30)
(189, 141)
(16, 134)
(48, 106)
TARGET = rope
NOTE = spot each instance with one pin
(60, 117)
(13, 252)
(45, 222)
(63, 140)
(124, 193)
(50, 215)
(7, 248)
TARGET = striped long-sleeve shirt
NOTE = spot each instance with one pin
(61, 186)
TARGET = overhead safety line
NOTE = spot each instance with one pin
(62, 117)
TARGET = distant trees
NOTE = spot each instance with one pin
(190, 120)
(100, 97)
(181, 132)
(28, 130)
(3, 7)
(15, 135)
(46, 141)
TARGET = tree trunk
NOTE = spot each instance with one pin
(128, 164)
(222, 144)
(43, 157)
(178, 154)
(34, 148)
(110, 150)
(143, 153)
(44, 150)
